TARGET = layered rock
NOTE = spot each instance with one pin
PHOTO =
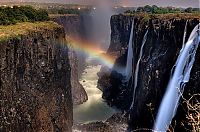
(164, 41)
(35, 89)
(74, 27)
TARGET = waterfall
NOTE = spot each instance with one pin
(184, 36)
(183, 45)
(129, 61)
(138, 67)
(180, 77)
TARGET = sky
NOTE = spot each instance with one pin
(177, 3)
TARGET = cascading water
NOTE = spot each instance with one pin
(183, 45)
(138, 67)
(129, 61)
(184, 35)
(128, 70)
(177, 81)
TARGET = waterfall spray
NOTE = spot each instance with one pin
(138, 67)
(177, 82)
(100, 29)
(129, 61)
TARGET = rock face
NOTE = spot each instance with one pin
(35, 89)
(164, 41)
(116, 123)
(79, 94)
(73, 26)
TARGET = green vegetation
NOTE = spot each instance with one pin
(161, 10)
(63, 11)
(15, 31)
(16, 14)
(145, 18)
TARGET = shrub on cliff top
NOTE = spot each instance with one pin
(163, 10)
(16, 14)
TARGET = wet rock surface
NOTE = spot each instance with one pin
(164, 41)
(35, 89)
(116, 123)
(79, 94)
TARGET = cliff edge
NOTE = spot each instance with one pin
(35, 89)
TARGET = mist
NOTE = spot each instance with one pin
(100, 23)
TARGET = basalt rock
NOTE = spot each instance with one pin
(116, 123)
(164, 41)
(35, 89)
(74, 27)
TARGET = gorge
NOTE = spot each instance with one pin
(60, 76)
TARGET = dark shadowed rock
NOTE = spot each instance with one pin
(164, 41)
(116, 123)
(74, 27)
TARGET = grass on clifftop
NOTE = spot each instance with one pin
(11, 31)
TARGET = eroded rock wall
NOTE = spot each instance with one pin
(35, 89)
(164, 41)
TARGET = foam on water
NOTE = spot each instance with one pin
(95, 109)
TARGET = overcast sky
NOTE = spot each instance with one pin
(179, 3)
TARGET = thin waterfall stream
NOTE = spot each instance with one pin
(138, 67)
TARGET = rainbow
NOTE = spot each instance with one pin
(91, 50)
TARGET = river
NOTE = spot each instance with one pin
(94, 109)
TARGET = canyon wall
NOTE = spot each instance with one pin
(164, 41)
(35, 89)
(74, 27)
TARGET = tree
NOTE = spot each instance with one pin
(188, 10)
(147, 8)
(21, 14)
(42, 15)
(128, 12)
(140, 9)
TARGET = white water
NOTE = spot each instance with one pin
(184, 35)
(95, 109)
(177, 82)
(138, 67)
(129, 61)
(183, 45)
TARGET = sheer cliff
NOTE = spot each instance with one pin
(162, 46)
(35, 89)
(74, 27)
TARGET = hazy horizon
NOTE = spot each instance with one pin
(175, 3)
